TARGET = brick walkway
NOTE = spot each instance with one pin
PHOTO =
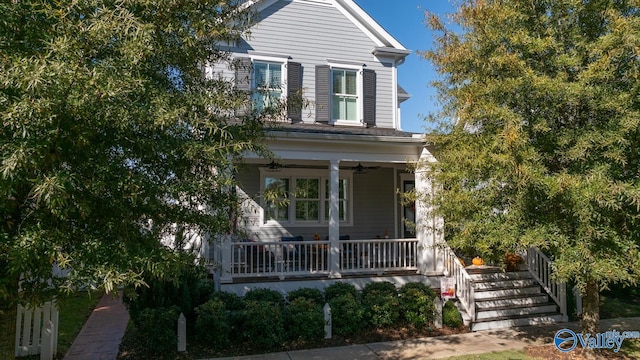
(101, 335)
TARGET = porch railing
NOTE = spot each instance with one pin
(312, 258)
(540, 266)
(465, 286)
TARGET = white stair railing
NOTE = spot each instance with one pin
(465, 286)
(540, 266)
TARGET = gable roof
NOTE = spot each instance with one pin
(356, 15)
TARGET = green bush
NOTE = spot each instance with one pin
(212, 324)
(451, 316)
(416, 304)
(265, 295)
(231, 301)
(186, 287)
(347, 314)
(383, 287)
(304, 320)
(381, 304)
(158, 328)
(307, 293)
(338, 289)
(264, 324)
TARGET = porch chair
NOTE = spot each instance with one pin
(289, 251)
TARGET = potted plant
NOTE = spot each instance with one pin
(512, 261)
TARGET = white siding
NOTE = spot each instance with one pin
(312, 33)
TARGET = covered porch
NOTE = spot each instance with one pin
(329, 206)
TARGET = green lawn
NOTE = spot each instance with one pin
(74, 312)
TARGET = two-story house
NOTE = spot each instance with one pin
(329, 208)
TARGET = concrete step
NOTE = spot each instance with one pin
(492, 284)
(504, 312)
(540, 319)
(499, 275)
(506, 292)
(508, 301)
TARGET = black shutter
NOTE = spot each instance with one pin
(323, 93)
(294, 91)
(369, 97)
(243, 69)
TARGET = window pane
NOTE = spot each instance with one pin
(343, 186)
(351, 83)
(275, 76)
(307, 210)
(338, 81)
(338, 108)
(276, 199)
(260, 70)
(351, 109)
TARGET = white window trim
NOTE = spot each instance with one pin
(292, 175)
(359, 93)
(273, 59)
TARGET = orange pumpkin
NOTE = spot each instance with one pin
(477, 261)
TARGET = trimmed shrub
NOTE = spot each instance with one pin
(158, 328)
(231, 301)
(383, 287)
(265, 295)
(451, 316)
(307, 293)
(416, 304)
(338, 289)
(381, 304)
(347, 314)
(304, 320)
(264, 325)
(212, 324)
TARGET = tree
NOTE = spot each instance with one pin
(112, 138)
(544, 146)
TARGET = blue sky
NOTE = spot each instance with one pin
(404, 19)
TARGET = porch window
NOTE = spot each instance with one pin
(343, 199)
(301, 197)
(267, 83)
(344, 94)
(307, 199)
(276, 199)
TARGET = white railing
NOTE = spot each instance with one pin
(465, 286)
(313, 258)
(378, 254)
(540, 266)
(37, 331)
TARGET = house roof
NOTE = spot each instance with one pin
(402, 94)
(386, 43)
(352, 132)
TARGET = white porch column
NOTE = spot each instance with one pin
(223, 258)
(334, 218)
(427, 226)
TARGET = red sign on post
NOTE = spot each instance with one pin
(447, 288)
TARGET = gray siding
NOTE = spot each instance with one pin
(312, 33)
(373, 208)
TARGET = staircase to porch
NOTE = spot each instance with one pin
(508, 299)
(490, 298)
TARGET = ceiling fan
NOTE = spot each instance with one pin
(361, 169)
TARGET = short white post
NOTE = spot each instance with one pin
(46, 345)
(182, 333)
(327, 321)
(437, 320)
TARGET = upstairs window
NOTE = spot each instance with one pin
(267, 84)
(344, 95)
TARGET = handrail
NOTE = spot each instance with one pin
(465, 286)
(541, 267)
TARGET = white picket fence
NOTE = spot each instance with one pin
(37, 331)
